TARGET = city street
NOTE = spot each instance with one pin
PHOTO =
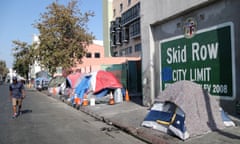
(46, 120)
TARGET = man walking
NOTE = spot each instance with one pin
(17, 94)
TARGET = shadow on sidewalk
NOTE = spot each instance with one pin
(227, 134)
(26, 111)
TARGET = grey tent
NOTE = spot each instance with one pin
(202, 111)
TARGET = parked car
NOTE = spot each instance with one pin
(56, 85)
(1, 79)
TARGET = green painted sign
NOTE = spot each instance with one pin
(206, 58)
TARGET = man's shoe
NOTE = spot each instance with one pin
(14, 116)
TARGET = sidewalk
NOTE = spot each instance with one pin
(128, 116)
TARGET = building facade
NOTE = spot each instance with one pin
(124, 31)
(34, 68)
(194, 40)
(94, 59)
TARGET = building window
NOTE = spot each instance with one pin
(88, 55)
(115, 54)
(97, 55)
(125, 34)
(113, 40)
(114, 12)
(113, 26)
(121, 7)
(131, 14)
(134, 29)
(138, 47)
(123, 52)
(126, 51)
(129, 2)
(118, 37)
(129, 50)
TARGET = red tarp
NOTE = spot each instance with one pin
(104, 79)
(74, 79)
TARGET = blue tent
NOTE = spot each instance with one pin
(167, 117)
(83, 86)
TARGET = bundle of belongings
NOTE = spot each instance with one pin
(185, 110)
(167, 117)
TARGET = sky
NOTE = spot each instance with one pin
(18, 16)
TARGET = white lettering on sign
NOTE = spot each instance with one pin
(177, 55)
(220, 88)
(202, 52)
(179, 74)
(200, 74)
(216, 88)
(207, 87)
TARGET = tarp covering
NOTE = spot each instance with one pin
(202, 110)
(97, 83)
(103, 79)
(74, 79)
(83, 87)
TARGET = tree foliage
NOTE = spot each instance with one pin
(23, 57)
(3, 68)
(63, 36)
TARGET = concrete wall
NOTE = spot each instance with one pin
(107, 18)
(163, 19)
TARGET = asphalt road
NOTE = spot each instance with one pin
(46, 120)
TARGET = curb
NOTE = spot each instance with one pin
(139, 133)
